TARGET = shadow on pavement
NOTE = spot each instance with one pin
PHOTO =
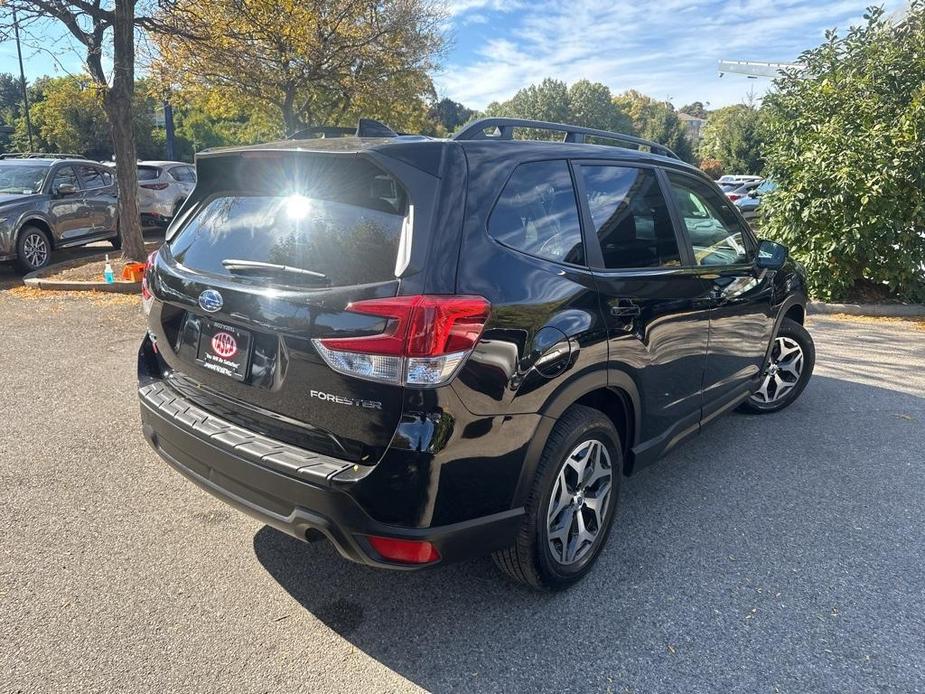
(779, 551)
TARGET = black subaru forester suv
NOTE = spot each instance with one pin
(425, 350)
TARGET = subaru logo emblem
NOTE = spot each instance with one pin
(211, 300)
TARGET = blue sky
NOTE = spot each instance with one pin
(668, 49)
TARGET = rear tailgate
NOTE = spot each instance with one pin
(237, 333)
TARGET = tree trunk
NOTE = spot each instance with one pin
(291, 119)
(119, 109)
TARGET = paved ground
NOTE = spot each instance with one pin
(782, 553)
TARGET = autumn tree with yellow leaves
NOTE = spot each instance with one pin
(320, 62)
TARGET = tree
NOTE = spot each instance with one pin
(846, 148)
(206, 119)
(591, 105)
(733, 136)
(70, 118)
(656, 120)
(299, 63)
(93, 24)
(712, 168)
(584, 103)
(696, 109)
(447, 115)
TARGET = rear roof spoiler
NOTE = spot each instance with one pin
(366, 127)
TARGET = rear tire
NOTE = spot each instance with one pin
(787, 372)
(572, 504)
(33, 249)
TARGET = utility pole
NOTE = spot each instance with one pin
(169, 132)
(22, 79)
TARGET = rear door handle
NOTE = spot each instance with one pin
(624, 309)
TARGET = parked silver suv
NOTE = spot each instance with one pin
(162, 188)
(47, 204)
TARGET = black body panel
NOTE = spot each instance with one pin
(661, 350)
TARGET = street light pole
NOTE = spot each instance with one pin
(22, 81)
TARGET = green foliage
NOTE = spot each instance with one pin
(67, 116)
(10, 106)
(696, 109)
(446, 116)
(656, 120)
(205, 121)
(846, 146)
(584, 103)
(733, 136)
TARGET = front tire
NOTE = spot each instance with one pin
(33, 249)
(789, 368)
(571, 506)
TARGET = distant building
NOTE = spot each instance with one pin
(693, 126)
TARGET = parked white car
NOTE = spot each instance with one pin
(162, 188)
(738, 180)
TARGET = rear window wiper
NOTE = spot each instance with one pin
(257, 267)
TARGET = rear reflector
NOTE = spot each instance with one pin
(147, 298)
(405, 551)
(426, 339)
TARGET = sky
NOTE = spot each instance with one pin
(668, 49)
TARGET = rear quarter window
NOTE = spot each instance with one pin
(148, 173)
(537, 213)
(347, 228)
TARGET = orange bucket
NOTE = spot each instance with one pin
(133, 272)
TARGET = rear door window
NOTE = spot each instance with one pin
(630, 217)
(537, 213)
(346, 228)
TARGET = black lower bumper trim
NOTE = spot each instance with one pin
(296, 506)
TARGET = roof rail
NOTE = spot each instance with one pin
(573, 133)
(41, 155)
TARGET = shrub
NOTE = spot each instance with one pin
(846, 146)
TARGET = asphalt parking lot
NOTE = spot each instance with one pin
(779, 553)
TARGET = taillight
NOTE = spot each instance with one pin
(147, 298)
(734, 196)
(426, 339)
(154, 186)
(405, 551)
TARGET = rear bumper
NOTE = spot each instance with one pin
(291, 490)
(153, 219)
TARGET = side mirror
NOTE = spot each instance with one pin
(63, 189)
(771, 255)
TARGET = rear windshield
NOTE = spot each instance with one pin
(148, 173)
(346, 227)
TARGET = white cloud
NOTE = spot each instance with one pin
(666, 50)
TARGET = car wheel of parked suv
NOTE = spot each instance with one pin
(33, 249)
(787, 372)
(572, 504)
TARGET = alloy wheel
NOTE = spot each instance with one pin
(579, 502)
(782, 373)
(35, 249)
